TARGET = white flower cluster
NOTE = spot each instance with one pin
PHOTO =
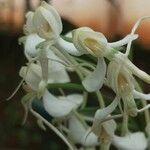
(52, 56)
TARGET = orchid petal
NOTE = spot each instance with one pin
(136, 71)
(29, 27)
(56, 71)
(132, 141)
(31, 42)
(47, 22)
(94, 81)
(57, 107)
(124, 41)
(110, 127)
(139, 95)
(69, 47)
(32, 75)
(80, 135)
(88, 41)
(102, 114)
(76, 99)
(55, 14)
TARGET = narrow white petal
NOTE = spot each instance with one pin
(94, 81)
(56, 107)
(124, 41)
(132, 141)
(102, 114)
(69, 47)
(80, 135)
(31, 42)
(139, 95)
(139, 73)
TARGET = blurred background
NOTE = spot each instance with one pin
(114, 18)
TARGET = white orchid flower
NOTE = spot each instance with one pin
(101, 114)
(87, 41)
(131, 141)
(120, 76)
(120, 79)
(32, 75)
(44, 56)
(61, 106)
(56, 107)
(45, 21)
(56, 73)
(80, 134)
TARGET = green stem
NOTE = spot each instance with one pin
(125, 129)
(105, 146)
(68, 39)
(125, 124)
(66, 86)
(100, 99)
(81, 119)
(85, 97)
